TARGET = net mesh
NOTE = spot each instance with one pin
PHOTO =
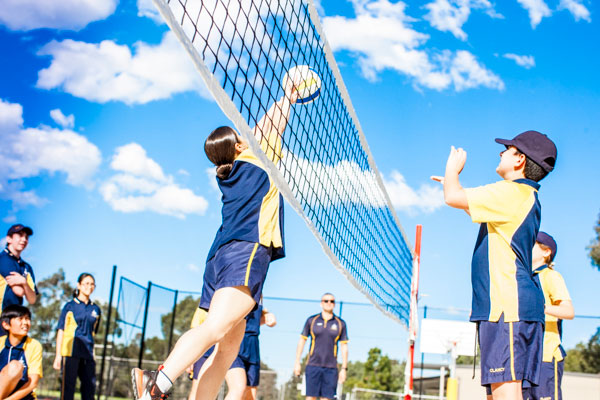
(242, 49)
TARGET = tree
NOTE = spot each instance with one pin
(594, 247)
(183, 317)
(379, 372)
(585, 357)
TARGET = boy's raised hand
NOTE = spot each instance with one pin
(456, 160)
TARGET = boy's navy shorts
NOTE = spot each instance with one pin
(237, 263)
(549, 386)
(510, 351)
(321, 381)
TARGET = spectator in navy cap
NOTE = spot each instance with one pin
(16, 276)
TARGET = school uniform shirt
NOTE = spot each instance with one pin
(555, 291)
(10, 263)
(252, 207)
(325, 334)
(509, 213)
(28, 353)
(79, 322)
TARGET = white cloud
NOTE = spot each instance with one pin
(140, 184)
(61, 119)
(526, 62)
(347, 182)
(107, 71)
(427, 198)
(23, 15)
(211, 174)
(537, 10)
(575, 7)
(147, 9)
(193, 267)
(451, 15)
(381, 38)
(9, 219)
(30, 152)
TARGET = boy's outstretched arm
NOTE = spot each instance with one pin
(454, 194)
(269, 130)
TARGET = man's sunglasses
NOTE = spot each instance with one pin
(328, 301)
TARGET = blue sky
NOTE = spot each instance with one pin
(103, 119)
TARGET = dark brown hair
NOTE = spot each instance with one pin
(532, 169)
(220, 149)
(80, 279)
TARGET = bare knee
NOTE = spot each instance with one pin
(14, 369)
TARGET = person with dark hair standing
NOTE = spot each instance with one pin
(249, 239)
(20, 356)
(77, 325)
(325, 331)
(16, 276)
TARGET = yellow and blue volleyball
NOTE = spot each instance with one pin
(306, 81)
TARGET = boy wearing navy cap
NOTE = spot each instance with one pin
(16, 276)
(507, 305)
(558, 306)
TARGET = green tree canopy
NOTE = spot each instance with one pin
(594, 247)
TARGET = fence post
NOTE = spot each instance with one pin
(172, 322)
(144, 325)
(110, 299)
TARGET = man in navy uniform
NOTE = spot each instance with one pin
(325, 331)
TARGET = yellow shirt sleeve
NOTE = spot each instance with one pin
(33, 353)
(489, 203)
(271, 146)
(556, 287)
(199, 317)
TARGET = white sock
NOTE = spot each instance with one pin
(163, 382)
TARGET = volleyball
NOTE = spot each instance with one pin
(306, 81)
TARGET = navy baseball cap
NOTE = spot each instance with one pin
(536, 146)
(16, 228)
(548, 241)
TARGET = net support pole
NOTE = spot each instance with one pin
(413, 319)
(172, 322)
(105, 345)
(143, 338)
(422, 361)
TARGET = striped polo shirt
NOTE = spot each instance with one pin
(325, 334)
(29, 353)
(509, 213)
(10, 263)
(79, 322)
(252, 207)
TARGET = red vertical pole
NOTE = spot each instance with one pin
(414, 317)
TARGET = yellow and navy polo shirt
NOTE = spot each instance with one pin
(252, 207)
(509, 213)
(555, 291)
(325, 334)
(28, 353)
(79, 322)
(10, 263)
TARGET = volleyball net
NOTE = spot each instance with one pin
(243, 49)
